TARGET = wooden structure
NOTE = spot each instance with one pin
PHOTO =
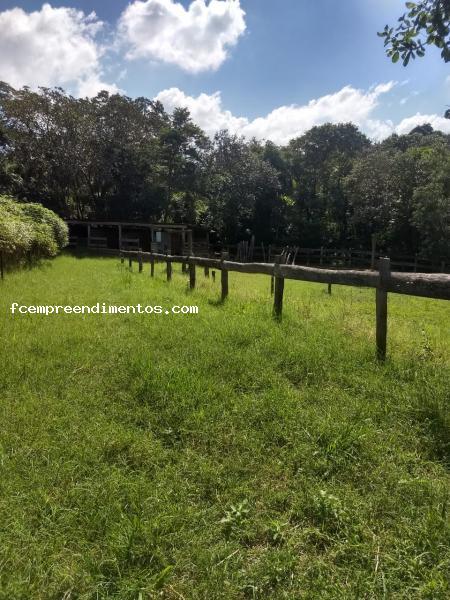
(162, 238)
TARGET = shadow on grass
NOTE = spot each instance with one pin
(40, 264)
(435, 422)
(217, 302)
(81, 253)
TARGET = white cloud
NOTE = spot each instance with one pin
(52, 47)
(92, 85)
(195, 39)
(206, 110)
(437, 122)
(378, 130)
(285, 122)
(349, 104)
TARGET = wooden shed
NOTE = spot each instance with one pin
(163, 238)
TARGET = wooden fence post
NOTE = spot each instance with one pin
(279, 290)
(122, 258)
(224, 277)
(140, 261)
(272, 285)
(169, 269)
(206, 271)
(152, 266)
(191, 274)
(382, 307)
(130, 262)
(213, 275)
(329, 289)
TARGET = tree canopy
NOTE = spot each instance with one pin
(116, 158)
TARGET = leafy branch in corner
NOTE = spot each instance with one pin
(426, 23)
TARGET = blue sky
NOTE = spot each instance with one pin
(277, 56)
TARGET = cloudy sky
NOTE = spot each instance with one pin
(265, 68)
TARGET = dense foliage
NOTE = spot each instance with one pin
(114, 157)
(29, 230)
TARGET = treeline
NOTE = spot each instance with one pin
(113, 157)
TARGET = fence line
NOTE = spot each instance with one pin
(426, 285)
(334, 257)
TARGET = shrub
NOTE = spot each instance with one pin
(15, 235)
(41, 215)
(30, 229)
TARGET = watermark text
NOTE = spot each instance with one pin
(101, 308)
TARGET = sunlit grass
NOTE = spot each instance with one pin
(220, 455)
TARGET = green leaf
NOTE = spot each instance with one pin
(395, 57)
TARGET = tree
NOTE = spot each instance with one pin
(81, 157)
(320, 160)
(426, 23)
(431, 202)
(116, 158)
(419, 137)
(425, 129)
(380, 190)
(181, 146)
(402, 193)
(240, 186)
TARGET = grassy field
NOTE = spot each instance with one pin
(220, 455)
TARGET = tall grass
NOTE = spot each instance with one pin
(220, 455)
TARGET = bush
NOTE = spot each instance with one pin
(41, 215)
(30, 230)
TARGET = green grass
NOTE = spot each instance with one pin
(220, 455)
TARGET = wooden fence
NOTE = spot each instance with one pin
(336, 258)
(384, 281)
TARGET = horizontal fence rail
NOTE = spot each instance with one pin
(425, 285)
(342, 258)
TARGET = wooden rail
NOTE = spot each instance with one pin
(426, 285)
(334, 257)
